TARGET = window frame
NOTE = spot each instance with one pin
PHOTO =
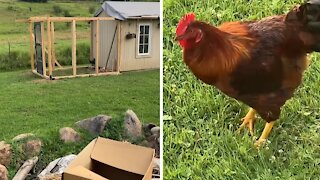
(149, 39)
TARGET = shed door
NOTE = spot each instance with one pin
(108, 44)
(38, 47)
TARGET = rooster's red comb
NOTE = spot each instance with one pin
(184, 22)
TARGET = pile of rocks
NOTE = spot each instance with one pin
(27, 146)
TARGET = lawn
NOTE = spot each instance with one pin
(200, 123)
(32, 105)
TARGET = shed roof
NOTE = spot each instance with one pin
(130, 10)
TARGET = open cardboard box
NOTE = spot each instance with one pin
(105, 159)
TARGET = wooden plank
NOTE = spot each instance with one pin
(38, 74)
(87, 75)
(44, 68)
(53, 50)
(66, 19)
(31, 45)
(49, 47)
(97, 46)
(74, 48)
(119, 46)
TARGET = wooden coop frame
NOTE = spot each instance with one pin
(50, 50)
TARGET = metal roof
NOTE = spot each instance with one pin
(130, 10)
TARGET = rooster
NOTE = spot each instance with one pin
(260, 63)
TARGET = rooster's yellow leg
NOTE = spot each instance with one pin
(248, 121)
(266, 131)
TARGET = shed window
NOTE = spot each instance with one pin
(144, 39)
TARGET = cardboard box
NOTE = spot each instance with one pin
(105, 159)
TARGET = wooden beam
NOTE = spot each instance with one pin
(65, 19)
(53, 50)
(97, 46)
(74, 48)
(87, 75)
(25, 168)
(44, 68)
(43, 76)
(31, 45)
(119, 46)
(49, 47)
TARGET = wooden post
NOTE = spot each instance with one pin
(31, 45)
(119, 46)
(49, 47)
(44, 68)
(74, 48)
(52, 46)
(53, 49)
(97, 46)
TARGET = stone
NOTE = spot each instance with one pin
(150, 126)
(156, 131)
(3, 172)
(22, 136)
(132, 125)
(56, 167)
(147, 129)
(153, 142)
(5, 153)
(32, 147)
(68, 134)
(94, 125)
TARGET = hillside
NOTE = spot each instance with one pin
(14, 37)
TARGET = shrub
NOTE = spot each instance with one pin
(92, 9)
(66, 13)
(42, 1)
(11, 8)
(64, 55)
(16, 60)
(56, 9)
(21, 60)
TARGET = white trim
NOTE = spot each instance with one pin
(149, 39)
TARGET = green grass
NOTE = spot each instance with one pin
(32, 105)
(200, 141)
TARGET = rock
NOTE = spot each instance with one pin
(94, 125)
(153, 142)
(132, 125)
(3, 172)
(68, 134)
(56, 167)
(156, 131)
(22, 136)
(147, 129)
(32, 148)
(150, 126)
(5, 153)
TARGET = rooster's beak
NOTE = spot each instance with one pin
(180, 37)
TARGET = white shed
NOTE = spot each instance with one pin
(139, 36)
